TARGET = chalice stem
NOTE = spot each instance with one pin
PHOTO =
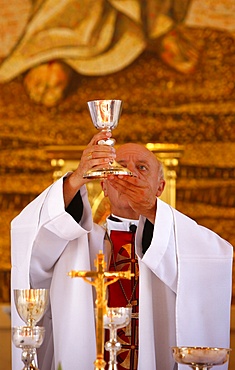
(27, 358)
(113, 352)
(113, 346)
(112, 366)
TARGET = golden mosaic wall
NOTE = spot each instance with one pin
(161, 105)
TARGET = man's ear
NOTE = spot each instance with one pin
(104, 187)
(161, 187)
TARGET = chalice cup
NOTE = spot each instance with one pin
(31, 305)
(201, 358)
(105, 115)
(115, 318)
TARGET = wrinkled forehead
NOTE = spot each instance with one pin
(135, 152)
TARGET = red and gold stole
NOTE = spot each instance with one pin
(124, 293)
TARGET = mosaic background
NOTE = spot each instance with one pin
(161, 105)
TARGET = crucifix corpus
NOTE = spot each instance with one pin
(100, 279)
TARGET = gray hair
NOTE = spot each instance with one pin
(160, 170)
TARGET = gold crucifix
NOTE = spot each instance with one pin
(98, 281)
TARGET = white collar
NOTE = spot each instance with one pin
(124, 225)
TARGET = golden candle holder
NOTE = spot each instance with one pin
(100, 279)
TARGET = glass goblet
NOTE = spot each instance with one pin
(31, 304)
(200, 358)
(105, 115)
(115, 318)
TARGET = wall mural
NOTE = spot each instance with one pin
(171, 62)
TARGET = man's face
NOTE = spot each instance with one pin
(144, 165)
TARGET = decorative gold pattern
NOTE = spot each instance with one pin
(196, 110)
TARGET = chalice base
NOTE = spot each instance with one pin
(28, 339)
(101, 173)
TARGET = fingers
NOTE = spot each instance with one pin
(102, 135)
(99, 152)
(138, 192)
(96, 155)
(102, 142)
(125, 182)
(131, 188)
(89, 156)
(94, 150)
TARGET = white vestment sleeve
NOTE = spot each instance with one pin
(46, 239)
(196, 264)
(204, 286)
(23, 230)
(161, 254)
(158, 284)
(56, 229)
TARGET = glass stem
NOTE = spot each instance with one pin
(27, 357)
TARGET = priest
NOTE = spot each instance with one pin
(181, 289)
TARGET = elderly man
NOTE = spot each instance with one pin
(181, 290)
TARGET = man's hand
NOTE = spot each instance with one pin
(138, 193)
(95, 155)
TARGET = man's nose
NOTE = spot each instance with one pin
(132, 168)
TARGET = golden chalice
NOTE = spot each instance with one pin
(31, 305)
(201, 358)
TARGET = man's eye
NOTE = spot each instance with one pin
(142, 168)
